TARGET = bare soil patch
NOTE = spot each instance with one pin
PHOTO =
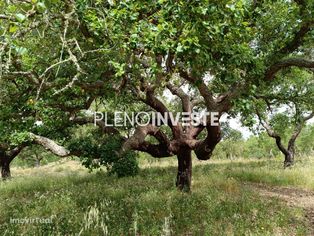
(293, 197)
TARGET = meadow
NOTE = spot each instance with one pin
(223, 200)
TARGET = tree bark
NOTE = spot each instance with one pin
(5, 168)
(289, 156)
(289, 159)
(37, 162)
(184, 175)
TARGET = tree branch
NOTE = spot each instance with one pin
(298, 130)
(300, 34)
(101, 124)
(297, 39)
(202, 88)
(272, 133)
(152, 101)
(298, 62)
(185, 99)
(15, 151)
(137, 142)
(310, 116)
(5, 17)
(204, 149)
(50, 145)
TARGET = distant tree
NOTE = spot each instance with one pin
(284, 110)
(297, 126)
(228, 133)
(35, 156)
(231, 145)
(305, 144)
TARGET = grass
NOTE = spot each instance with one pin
(268, 171)
(83, 203)
(271, 172)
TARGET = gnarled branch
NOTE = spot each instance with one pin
(50, 145)
(202, 88)
(298, 62)
(137, 142)
(185, 99)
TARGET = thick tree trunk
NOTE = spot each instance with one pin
(5, 169)
(289, 155)
(289, 159)
(184, 175)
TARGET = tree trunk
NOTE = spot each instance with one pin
(289, 159)
(184, 175)
(5, 169)
(37, 163)
(289, 155)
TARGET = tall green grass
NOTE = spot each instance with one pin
(148, 204)
(271, 172)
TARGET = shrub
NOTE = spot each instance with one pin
(104, 151)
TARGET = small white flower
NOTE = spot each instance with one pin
(38, 123)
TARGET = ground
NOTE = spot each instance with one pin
(293, 197)
(229, 197)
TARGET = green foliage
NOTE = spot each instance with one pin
(305, 144)
(104, 151)
(34, 156)
(41, 7)
(281, 123)
(234, 41)
(229, 133)
(122, 165)
(260, 146)
(18, 138)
